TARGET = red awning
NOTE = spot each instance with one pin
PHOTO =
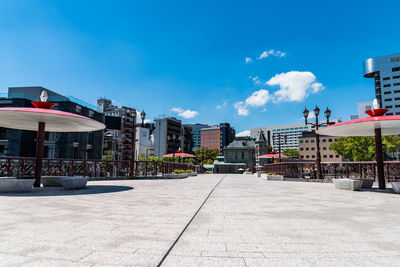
(182, 155)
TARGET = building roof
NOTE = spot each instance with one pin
(260, 137)
(242, 142)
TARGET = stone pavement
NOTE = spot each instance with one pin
(245, 222)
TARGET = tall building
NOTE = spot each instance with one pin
(196, 131)
(218, 136)
(275, 134)
(386, 73)
(170, 136)
(86, 145)
(308, 148)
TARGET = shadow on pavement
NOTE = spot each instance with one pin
(59, 191)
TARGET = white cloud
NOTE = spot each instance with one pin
(258, 98)
(222, 105)
(272, 52)
(241, 108)
(187, 114)
(244, 133)
(294, 86)
(255, 79)
(248, 60)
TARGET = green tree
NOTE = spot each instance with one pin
(206, 155)
(362, 148)
(108, 155)
(291, 153)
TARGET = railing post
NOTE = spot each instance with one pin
(387, 172)
(334, 170)
(347, 170)
(145, 169)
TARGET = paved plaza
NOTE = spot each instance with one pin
(245, 221)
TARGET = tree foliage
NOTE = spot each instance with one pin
(362, 148)
(291, 153)
(206, 155)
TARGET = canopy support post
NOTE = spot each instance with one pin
(39, 153)
(379, 158)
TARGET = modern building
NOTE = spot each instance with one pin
(308, 148)
(218, 136)
(240, 154)
(386, 73)
(362, 106)
(196, 131)
(84, 145)
(171, 136)
(275, 134)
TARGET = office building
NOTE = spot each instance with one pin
(218, 136)
(308, 148)
(276, 134)
(196, 131)
(385, 71)
(171, 136)
(19, 143)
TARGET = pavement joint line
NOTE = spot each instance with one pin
(188, 224)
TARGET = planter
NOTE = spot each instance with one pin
(70, 183)
(175, 176)
(192, 173)
(396, 187)
(52, 181)
(348, 184)
(275, 177)
(366, 183)
(8, 185)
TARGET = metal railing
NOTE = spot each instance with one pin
(360, 169)
(25, 167)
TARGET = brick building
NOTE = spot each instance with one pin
(308, 147)
(217, 136)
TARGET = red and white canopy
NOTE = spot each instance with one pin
(180, 154)
(55, 120)
(389, 125)
(271, 155)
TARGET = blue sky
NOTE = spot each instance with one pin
(188, 58)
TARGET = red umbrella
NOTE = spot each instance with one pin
(376, 125)
(271, 155)
(179, 154)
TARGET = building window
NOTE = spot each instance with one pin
(337, 156)
(302, 157)
(331, 156)
(307, 156)
(324, 156)
(388, 106)
(324, 148)
(313, 148)
(301, 149)
(386, 85)
(312, 140)
(386, 78)
(388, 99)
(397, 98)
(396, 91)
(389, 114)
(301, 141)
(395, 59)
(307, 148)
(242, 155)
(306, 141)
(396, 84)
(323, 140)
(387, 93)
(397, 106)
(396, 69)
(396, 77)
(330, 140)
(313, 156)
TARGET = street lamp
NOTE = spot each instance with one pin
(317, 124)
(279, 144)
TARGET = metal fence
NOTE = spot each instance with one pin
(25, 167)
(361, 169)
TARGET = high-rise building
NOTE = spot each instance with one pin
(308, 147)
(196, 130)
(84, 145)
(386, 73)
(218, 136)
(170, 136)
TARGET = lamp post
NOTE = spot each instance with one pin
(317, 124)
(279, 144)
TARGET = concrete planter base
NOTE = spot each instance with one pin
(348, 184)
(192, 173)
(275, 178)
(70, 183)
(51, 181)
(396, 187)
(175, 176)
(8, 185)
(366, 183)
